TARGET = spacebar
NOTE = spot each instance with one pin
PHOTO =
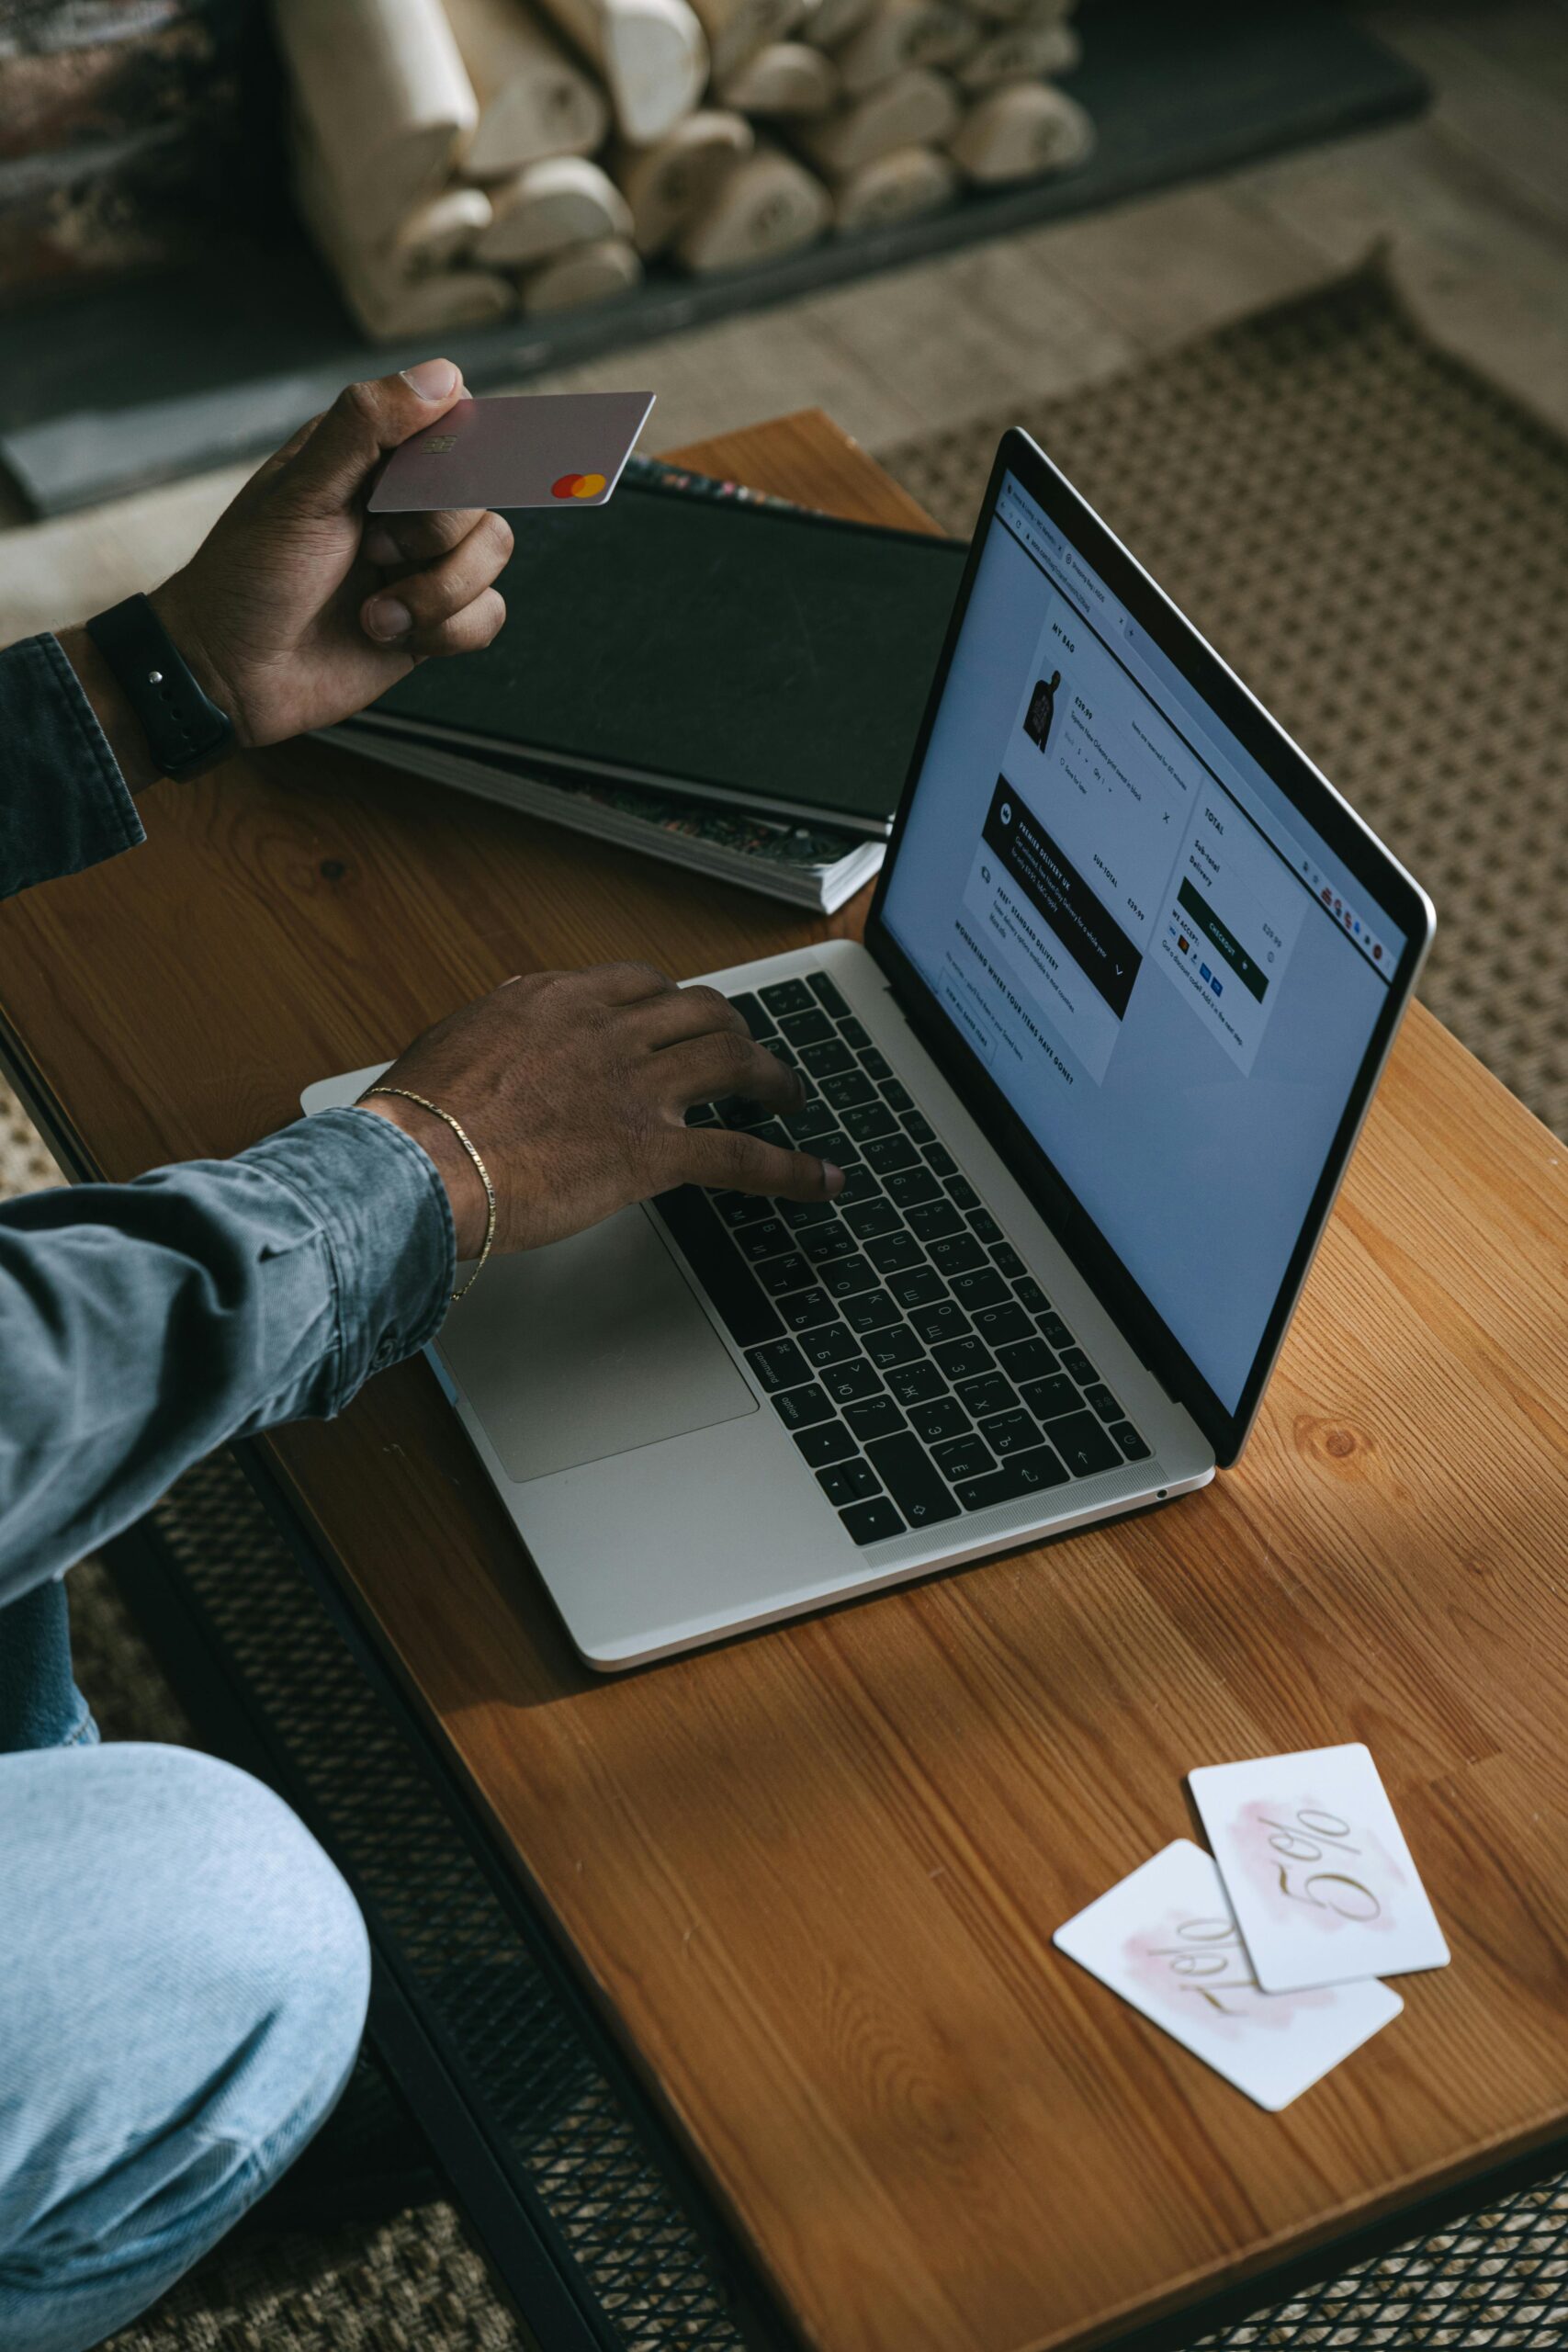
(747, 1312)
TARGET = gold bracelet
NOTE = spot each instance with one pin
(464, 1139)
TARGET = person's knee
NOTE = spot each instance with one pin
(183, 1985)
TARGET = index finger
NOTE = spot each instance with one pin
(725, 1160)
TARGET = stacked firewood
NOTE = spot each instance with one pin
(457, 160)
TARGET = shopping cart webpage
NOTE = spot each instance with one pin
(1164, 970)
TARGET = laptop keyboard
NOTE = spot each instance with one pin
(916, 1362)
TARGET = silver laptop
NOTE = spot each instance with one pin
(1131, 973)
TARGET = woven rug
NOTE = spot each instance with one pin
(1377, 541)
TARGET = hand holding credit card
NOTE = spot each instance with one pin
(515, 449)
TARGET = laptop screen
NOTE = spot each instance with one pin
(1164, 970)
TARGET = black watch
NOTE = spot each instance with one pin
(187, 733)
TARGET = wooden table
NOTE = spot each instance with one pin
(812, 1877)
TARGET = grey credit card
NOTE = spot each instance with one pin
(515, 449)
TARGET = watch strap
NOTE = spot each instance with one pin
(186, 731)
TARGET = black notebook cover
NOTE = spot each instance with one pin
(760, 655)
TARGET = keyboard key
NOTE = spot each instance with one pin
(894, 1251)
(916, 1384)
(768, 1236)
(860, 1184)
(1029, 1293)
(1021, 1473)
(742, 1208)
(986, 1395)
(878, 1064)
(910, 1186)
(832, 1344)
(996, 1324)
(849, 1482)
(962, 1193)
(855, 1034)
(978, 1289)
(868, 1218)
(918, 1129)
(962, 1359)
(824, 1060)
(889, 1152)
(846, 1276)
(803, 1310)
(850, 1087)
(1074, 1361)
(879, 1417)
(942, 1417)
(797, 1408)
(1010, 1433)
(1008, 1262)
(1105, 1404)
(921, 1287)
(932, 1219)
(816, 1120)
(822, 988)
(787, 996)
(835, 1146)
(872, 1523)
(965, 1457)
(828, 1441)
(956, 1254)
(874, 1312)
(823, 1243)
(898, 1095)
(869, 1119)
(894, 1344)
(799, 1214)
(912, 1479)
(1131, 1443)
(984, 1226)
(780, 1274)
(1083, 1444)
(1025, 1360)
(744, 1308)
(1056, 1331)
(759, 1021)
(1046, 1398)
(850, 1383)
(806, 1028)
(941, 1161)
(702, 1114)
(779, 1365)
(946, 1320)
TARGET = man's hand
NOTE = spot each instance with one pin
(298, 609)
(574, 1088)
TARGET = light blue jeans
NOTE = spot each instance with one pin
(183, 1985)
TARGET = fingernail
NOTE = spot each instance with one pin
(381, 545)
(832, 1179)
(432, 378)
(387, 618)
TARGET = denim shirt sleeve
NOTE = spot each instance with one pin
(143, 1324)
(63, 803)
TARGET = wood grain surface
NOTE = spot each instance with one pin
(813, 1876)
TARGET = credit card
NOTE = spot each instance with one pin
(515, 449)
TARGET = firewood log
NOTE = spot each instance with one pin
(582, 275)
(917, 108)
(786, 79)
(833, 21)
(386, 96)
(564, 201)
(1019, 53)
(737, 29)
(533, 99)
(651, 53)
(905, 32)
(666, 183)
(383, 286)
(898, 186)
(440, 231)
(1021, 132)
(765, 205)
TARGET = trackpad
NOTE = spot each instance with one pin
(587, 1349)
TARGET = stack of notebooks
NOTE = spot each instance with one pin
(712, 677)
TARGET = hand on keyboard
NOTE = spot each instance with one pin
(574, 1087)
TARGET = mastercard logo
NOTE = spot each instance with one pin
(578, 486)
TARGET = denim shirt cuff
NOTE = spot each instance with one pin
(383, 1209)
(73, 807)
